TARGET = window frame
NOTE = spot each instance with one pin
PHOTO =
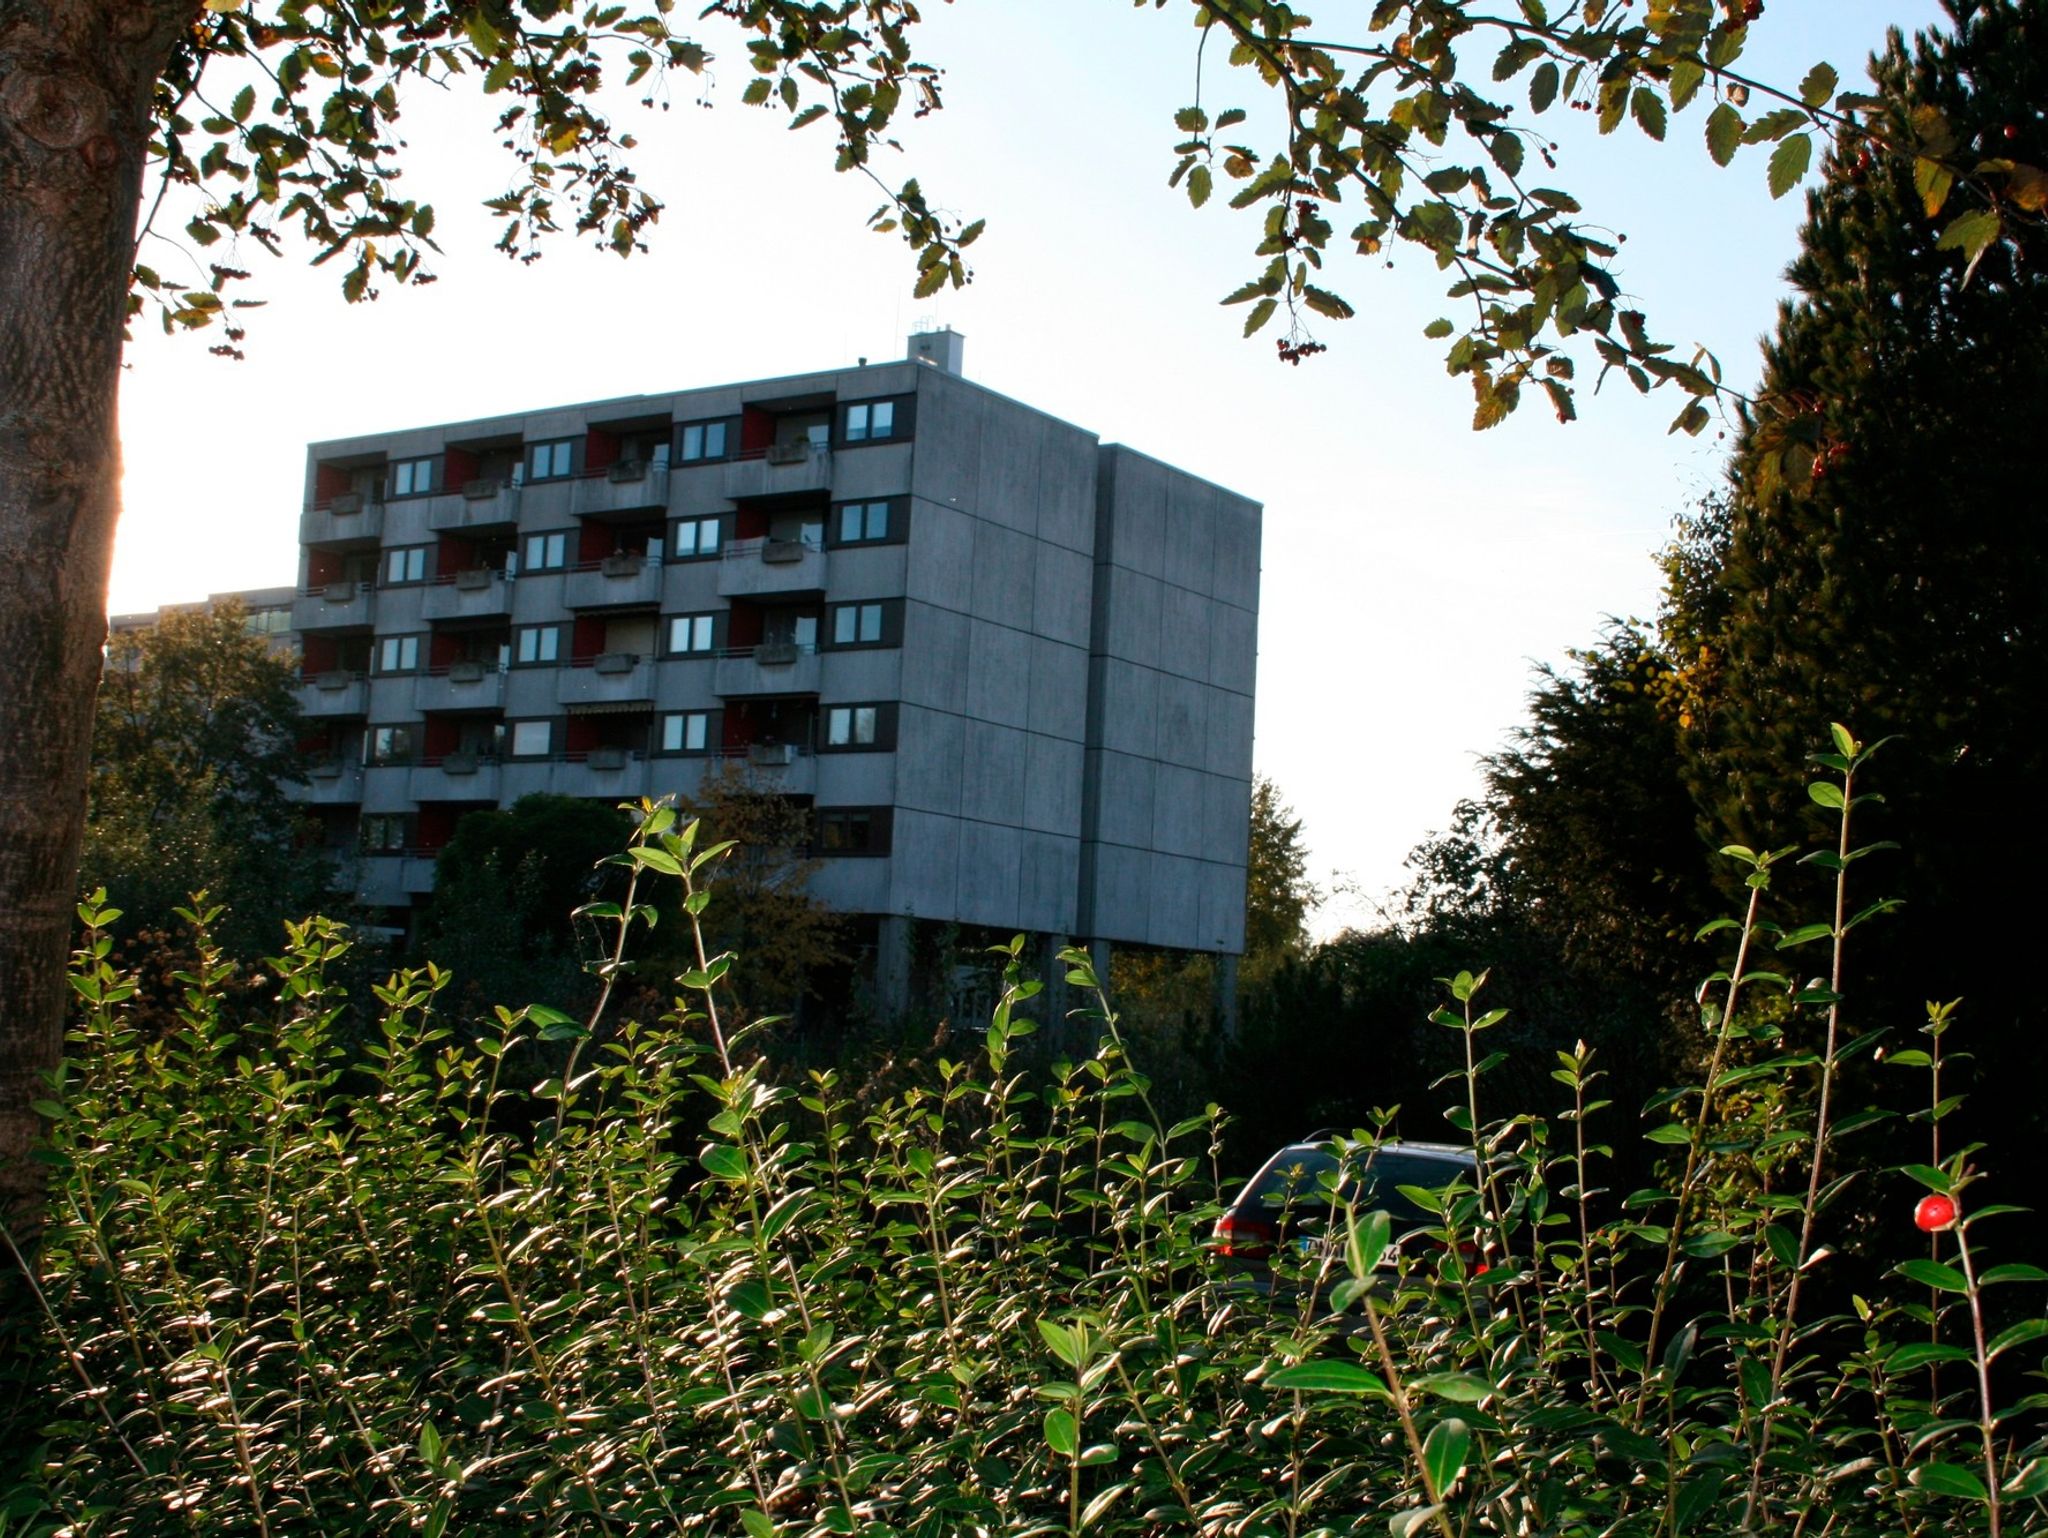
(404, 823)
(708, 718)
(434, 475)
(526, 543)
(889, 625)
(391, 553)
(883, 739)
(697, 552)
(880, 822)
(373, 759)
(727, 428)
(714, 634)
(897, 530)
(846, 435)
(574, 448)
(513, 753)
(519, 635)
(400, 640)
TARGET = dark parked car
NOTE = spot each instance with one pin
(1287, 1202)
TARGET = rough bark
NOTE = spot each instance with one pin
(77, 80)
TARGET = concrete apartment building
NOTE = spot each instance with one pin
(1008, 667)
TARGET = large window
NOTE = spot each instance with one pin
(697, 442)
(687, 731)
(398, 654)
(858, 728)
(532, 739)
(868, 422)
(546, 552)
(386, 832)
(415, 477)
(268, 622)
(551, 461)
(697, 538)
(385, 745)
(878, 623)
(852, 830)
(537, 645)
(692, 635)
(407, 563)
(868, 523)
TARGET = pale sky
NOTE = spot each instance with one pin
(1414, 572)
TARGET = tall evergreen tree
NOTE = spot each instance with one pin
(1883, 558)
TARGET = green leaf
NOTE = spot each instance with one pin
(1673, 1134)
(1648, 109)
(1950, 1479)
(724, 1161)
(1408, 1523)
(1724, 133)
(1928, 1176)
(1818, 88)
(1200, 183)
(1920, 1353)
(1438, 329)
(1261, 313)
(1060, 1340)
(1789, 162)
(1825, 792)
(1931, 180)
(2012, 1271)
(1932, 1273)
(1970, 233)
(1329, 1378)
(1458, 1387)
(1444, 1450)
(1543, 87)
(1062, 1434)
(757, 1523)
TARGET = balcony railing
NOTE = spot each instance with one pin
(618, 581)
(349, 519)
(778, 467)
(461, 686)
(479, 593)
(333, 606)
(336, 692)
(751, 567)
(609, 677)
(630, 485)
(487, 502)
(773, 667)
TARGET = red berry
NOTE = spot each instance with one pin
(2011, 133)
(1935, 1214)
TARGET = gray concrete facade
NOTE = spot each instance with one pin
(1010, 668)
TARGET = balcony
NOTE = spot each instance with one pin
(325, 696)
(349, 519)
(753, 567)
(774, 667)
(477, 505)
(781, 469)
(783, 768)
(337, 606)
(390, 880)
(457, 777)
(477, 594)
(611, 678)
(461, 686)
(331, 782)
(610, 774)
(630, 486)
(616, 582)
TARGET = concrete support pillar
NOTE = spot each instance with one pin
(892, 967)
(1050, 1008)
(1223, 980)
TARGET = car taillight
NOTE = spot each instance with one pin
(1243, 1237)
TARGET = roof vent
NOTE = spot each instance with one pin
(940, 348)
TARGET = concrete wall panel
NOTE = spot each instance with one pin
(1191, 534)
(1059, 690)
(1047, 876)
(1052, 784)
(1127, 785)
(991, 863)
(992, 773)
(940, 556)
(929, 747)
(923, 866)
(1183, 721)
(1176, 810)
(1130, 707)
(1062, 585)
(935, 657)
(998, 673)
(1233, 649)
(1003, 574)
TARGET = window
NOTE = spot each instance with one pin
(853, 830)
(532, 739)
(386, 833)
(534, 645)
(687, 731)
(699, 441)
(870, 421)
(398, 654)
(551, 461)
(268, 621)
(384, 745)
(865, 523)
(697, 538)
(854, 728)
(414, 477)
(691, 634)
(546, 552)
(406, 564)
(865, 624)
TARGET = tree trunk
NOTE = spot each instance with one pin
(77, 82)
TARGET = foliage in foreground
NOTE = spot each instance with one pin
(660, 1292)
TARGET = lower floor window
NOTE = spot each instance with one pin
(386, 833)
(687, 731)
(853, 830)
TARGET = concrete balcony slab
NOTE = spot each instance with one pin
(458, 777)
(622, 489)
(770, 669)
(479, 594)
(615, 678)
(478, 506)
(464, 686)
(337, 606)
(345, 522)
(755, 567)
(328, 696)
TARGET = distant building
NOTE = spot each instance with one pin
(269, 614)
(1007, 667)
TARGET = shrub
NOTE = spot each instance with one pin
(658, 1291)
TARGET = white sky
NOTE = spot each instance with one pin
(1413, 571)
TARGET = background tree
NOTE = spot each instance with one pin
(195, 738)
(1278, 895)
(1897, 578)
(506, 887)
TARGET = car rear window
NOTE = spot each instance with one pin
(1293, 1179)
